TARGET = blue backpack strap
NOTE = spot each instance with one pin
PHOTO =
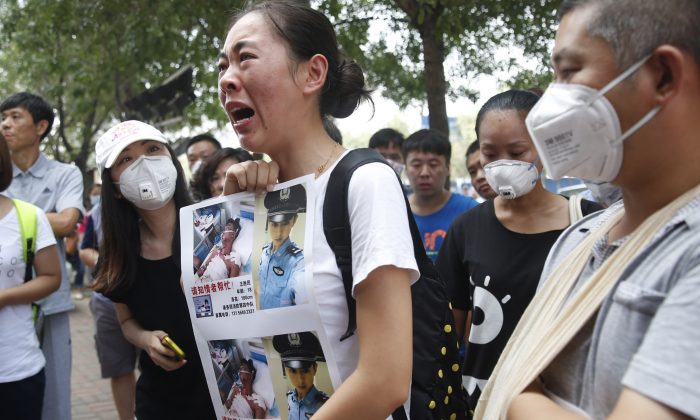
(26, 215)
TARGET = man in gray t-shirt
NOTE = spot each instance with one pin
(624, 110)
(57, 188)
(646, 333)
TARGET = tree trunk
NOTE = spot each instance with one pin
(434, 73)
(424, 18)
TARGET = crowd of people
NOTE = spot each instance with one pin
(567, 307)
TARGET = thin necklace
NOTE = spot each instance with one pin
(323, 165)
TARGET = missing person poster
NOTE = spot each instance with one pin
(250, 295)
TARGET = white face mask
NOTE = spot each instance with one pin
(577, 132)
(149, 182)
(604, 193)
(511, 178)
(94, 200)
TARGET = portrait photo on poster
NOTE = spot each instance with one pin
(243, 379)
(278, 248)
(223, 240)
(203, 306)
(299, 373)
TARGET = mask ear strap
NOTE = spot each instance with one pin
(534, 162)
(532, 165)
(624, 75)
(645, 119)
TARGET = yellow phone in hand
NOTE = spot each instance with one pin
(168, 342)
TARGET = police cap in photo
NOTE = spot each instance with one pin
(284, 204)
(298, 350)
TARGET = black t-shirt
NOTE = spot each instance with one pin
(156, 301)
(494, 273)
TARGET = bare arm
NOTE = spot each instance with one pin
(47, 280)
(89, 257)
(533, 403)
(150, 341)
(63, 223)
(258, 412)
(202, 268)
(381, 382)
(460, 317)
(233, 269)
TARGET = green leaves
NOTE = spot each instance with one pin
(471, 30)
(87, 57)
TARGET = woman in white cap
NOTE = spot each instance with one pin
(280, 74)
(143, 188)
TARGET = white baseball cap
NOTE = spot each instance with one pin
(111, 143)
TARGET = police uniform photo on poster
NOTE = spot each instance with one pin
(304, 380)
(257, 326)
(279, 260)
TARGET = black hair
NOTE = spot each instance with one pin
(308, 32)
(428, 141)
(521, 101)
(236, 223)
(332, 130)
(121, 247)
(38, 108)
(251, 366)
(473, 148)
(5, 165)
(203, 137)
(202, 178)
(385, 138)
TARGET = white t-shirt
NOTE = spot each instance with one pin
(380, 237)
(19, 347)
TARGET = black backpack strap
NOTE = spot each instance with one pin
(336, 221)
(336, 227)
(29, 267)
(336, 224)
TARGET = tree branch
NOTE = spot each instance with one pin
(62, 126)
(410, 7)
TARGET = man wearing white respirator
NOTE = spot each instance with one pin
(612, 331)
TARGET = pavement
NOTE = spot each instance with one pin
(91, 396)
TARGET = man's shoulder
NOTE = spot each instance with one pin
(58, 171)
(456, 205)
(462, 201)
(294, 251)
(320, 396)
(55, 164)
(578, 231)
